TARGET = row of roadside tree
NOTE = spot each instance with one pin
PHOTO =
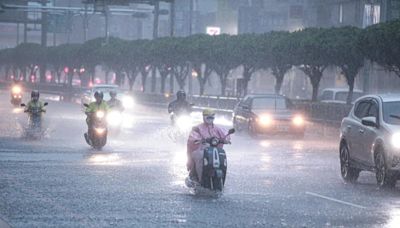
(311, 50)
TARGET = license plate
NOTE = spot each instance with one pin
(282, 128)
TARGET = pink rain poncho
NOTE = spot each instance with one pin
(195, 151)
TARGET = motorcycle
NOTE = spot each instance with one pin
(97, 133)
(214, 166)
(114, 121)
(16, 95)
(34, 129)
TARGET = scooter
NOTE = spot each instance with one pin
(16, 95)
(214, 166)
(34, 129)
(97, 134)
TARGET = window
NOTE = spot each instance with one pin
(362, 109)
(391, 112)
(341, 13)
(373, 110)
(372, 14)
(327, 95)
(269, 103)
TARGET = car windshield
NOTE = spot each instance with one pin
(269, 103)
(342, 96)
(391, 112)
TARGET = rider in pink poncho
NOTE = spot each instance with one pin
(195, 149)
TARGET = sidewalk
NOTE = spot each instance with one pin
(4, 224)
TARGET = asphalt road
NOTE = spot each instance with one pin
(137, 180)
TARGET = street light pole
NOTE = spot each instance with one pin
(155, 21)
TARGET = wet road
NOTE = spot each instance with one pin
(137, 180)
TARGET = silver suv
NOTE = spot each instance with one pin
(370, 139)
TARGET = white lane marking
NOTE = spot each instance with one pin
(335, 200)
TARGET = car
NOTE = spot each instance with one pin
(88, 95)
(268, 114)
(370, 139)
(338, 95)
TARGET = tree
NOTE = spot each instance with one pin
(29, 56)
(224, 58)
(279, 56)
(112, 54)
(345, 52)
(310, 53)
(199, 46)
(380, 43)
(250, 54)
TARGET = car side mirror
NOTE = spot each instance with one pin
(231, 131)
(45, 104)
(86, 105)
(369, 121)
(23, 105)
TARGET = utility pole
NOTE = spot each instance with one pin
(106, 15)
(43, 41)
(172, 18)
(155, 21)
(190, 17)
(85, 23)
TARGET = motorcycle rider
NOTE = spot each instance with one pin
(34, 104)
(180, 105)
(98, 105)
(115, 103)
(195, 149)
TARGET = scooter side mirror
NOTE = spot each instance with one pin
(231, 131)
(86, 105)
(23, 105)
(45, 104)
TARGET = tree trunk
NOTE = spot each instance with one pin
(144, 74)
(223, 79)
(278, 83)
(171, 83)
(153, 79)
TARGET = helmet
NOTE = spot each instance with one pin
(181, 95)
(98, 94)
(208, 116)
(113, 93)
(208, 112)
(35, 94)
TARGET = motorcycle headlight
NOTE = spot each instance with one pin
(214, 142)
(184, 122)
(100, 114)
(396, 140)
(265, 120)
(128, 102)
(298, 121)
(100, 131)
(16, 89)
(114, 118)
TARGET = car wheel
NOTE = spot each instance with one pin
(383, 177)
(349, 174)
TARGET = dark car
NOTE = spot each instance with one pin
(268, 114)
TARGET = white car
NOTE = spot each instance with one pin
(338, 95)
(370, 139)
(88, 95)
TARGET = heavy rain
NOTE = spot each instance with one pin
(199, 113)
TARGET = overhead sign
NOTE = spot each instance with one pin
(213, 31)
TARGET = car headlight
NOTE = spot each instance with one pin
(184, 122)
(298, 121)
(128, 102)
(396, 140)
(16, 89)
(100, 114)
(265, 120)
(114, 118)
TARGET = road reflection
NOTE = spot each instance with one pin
(104, 159)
